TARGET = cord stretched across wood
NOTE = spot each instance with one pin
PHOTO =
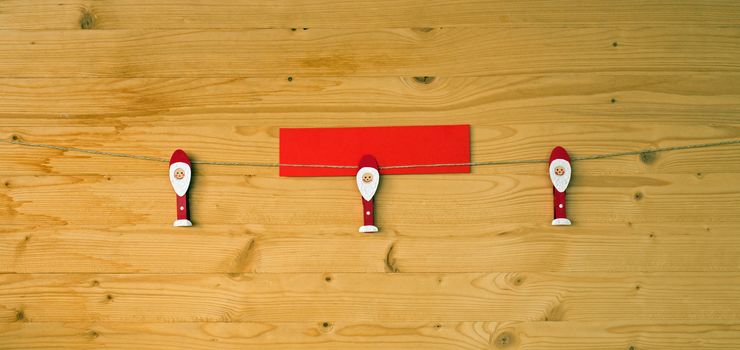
(19, 142)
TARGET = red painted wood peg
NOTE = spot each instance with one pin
(180, 174)
(560, 173)
(368, 178)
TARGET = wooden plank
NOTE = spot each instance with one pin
(304, 335)
(686, 335)
(233, 14)
(370, 297)
(475, 199)
(22, 161)
(214, 118)
(615, 335)
(674, 97)
(328, 247)
(396, 52)
(259, 144)
(127, 250)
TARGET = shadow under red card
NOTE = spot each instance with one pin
(391, 146)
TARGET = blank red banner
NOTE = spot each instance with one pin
(391, 146)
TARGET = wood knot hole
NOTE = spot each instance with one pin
(87, 19)
(615, 44)
(424, 79)
(647, 157)
(326, 327)
(638, 196)
(504, 340)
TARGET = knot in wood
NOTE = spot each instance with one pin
(424, 79)
(504, 340)
(647, 157)
(87, 19)
(638, 196)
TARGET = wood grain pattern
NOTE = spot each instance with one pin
(490, 100)
(356, 336)
(382, 52)
(299, 14)
(88, 257)
(474, 198)
(366, 297)
(281, 248)
(244, 143)
(244, 115)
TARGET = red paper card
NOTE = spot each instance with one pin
(391, 146)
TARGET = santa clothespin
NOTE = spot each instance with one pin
(368, 179)
(180, 174)
(560, 172)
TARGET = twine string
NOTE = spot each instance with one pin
(16, 141)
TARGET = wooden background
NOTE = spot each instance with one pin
(89, 259)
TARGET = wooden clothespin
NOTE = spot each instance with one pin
(180, 174)
(560, 172)
(368, 178)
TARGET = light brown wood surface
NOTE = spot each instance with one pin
(88, 257)
(449, 51)
(300, 14)
(358, 335)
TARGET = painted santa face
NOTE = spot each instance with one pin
(367, 182)
(560, 172)
(179, 173)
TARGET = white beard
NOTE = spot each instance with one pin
(181, 185)
(560, 182)
(367, 189)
